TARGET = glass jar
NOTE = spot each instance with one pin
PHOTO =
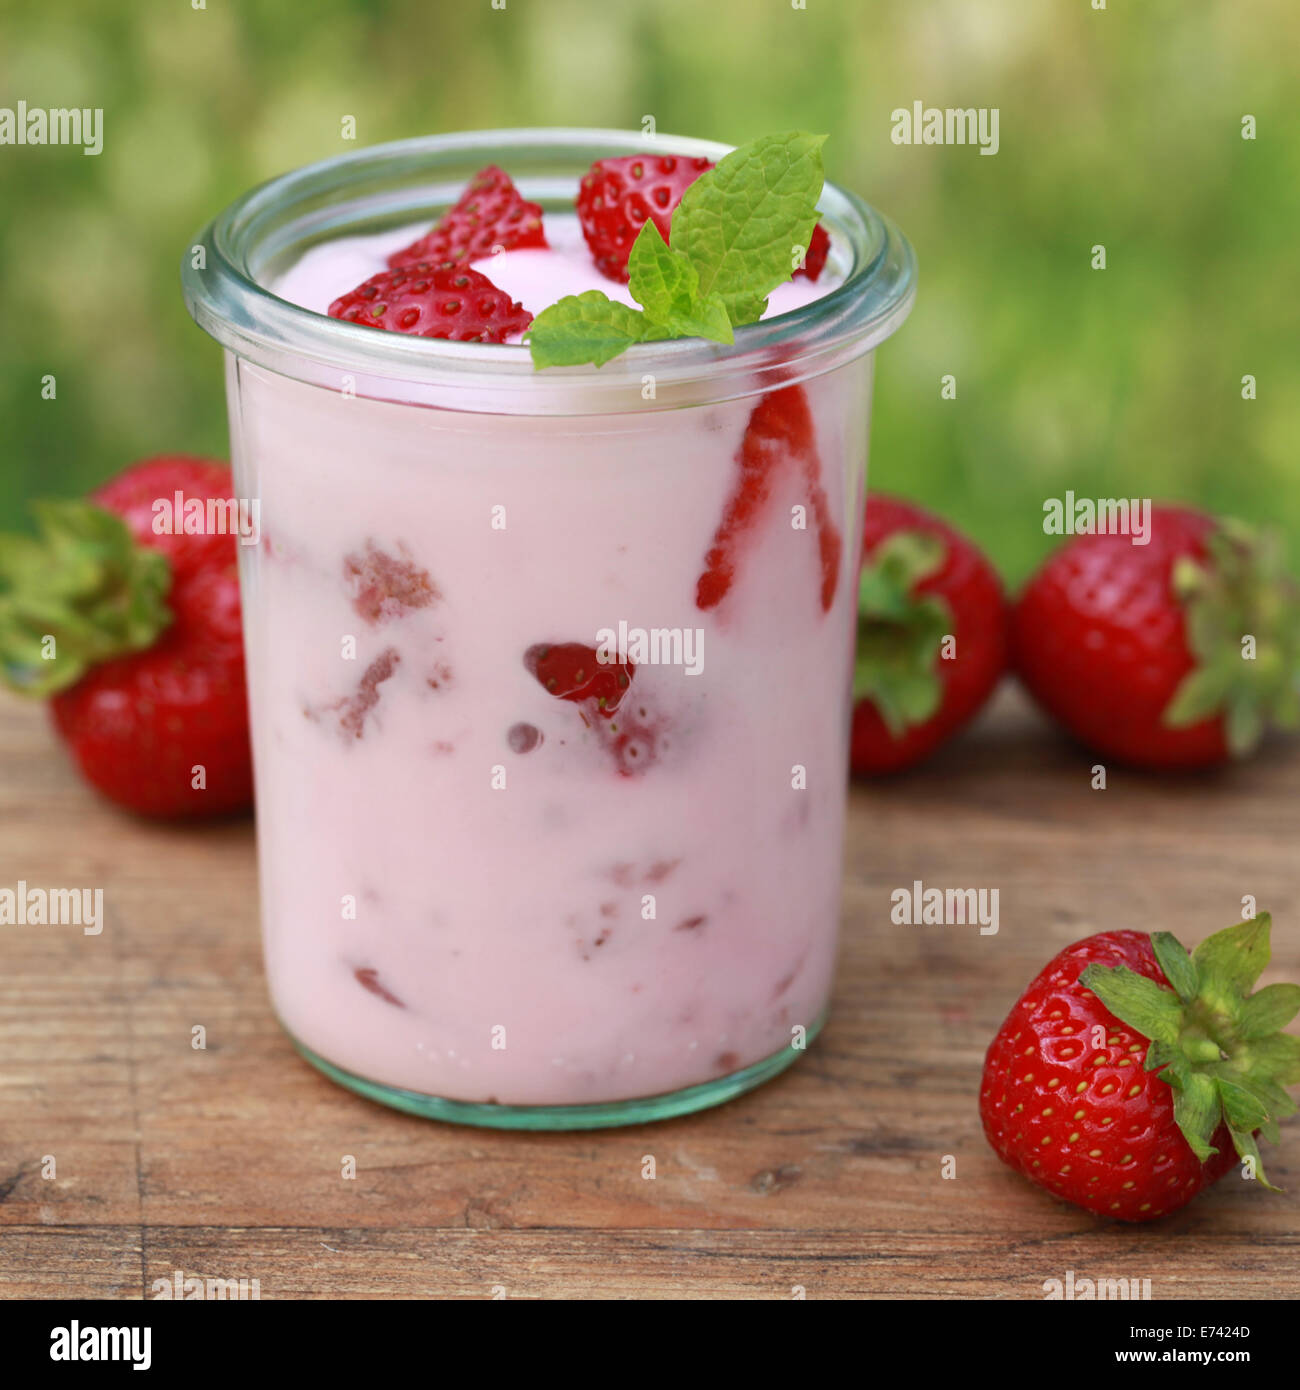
(489, 896)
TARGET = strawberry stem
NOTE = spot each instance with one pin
(1218, 1045)
(1242, 616)
(79, 593)
(900, 631)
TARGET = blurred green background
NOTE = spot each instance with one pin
(1120, 126)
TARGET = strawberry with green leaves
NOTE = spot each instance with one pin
(1131, 1075)
(1178, 653)
(133, 634)
(922, 583)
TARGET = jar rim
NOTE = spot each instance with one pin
(225, 270)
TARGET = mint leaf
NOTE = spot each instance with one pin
(708, 318)
(738, 232)
(738, 224)
(582, 328)
(662, 281)
(666, 285)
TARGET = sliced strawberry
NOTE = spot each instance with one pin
(383, 586)
(829, 544)
(434, 301)
(779, 436)
(491, 216)
(354, 708)
(368, 978)
(570, 671)
(617, 196)
(819, 247)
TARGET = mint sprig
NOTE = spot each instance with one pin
(667, 285)
(587, 327)
(738, 233)
(739, 224)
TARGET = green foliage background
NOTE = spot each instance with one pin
(1119, 126)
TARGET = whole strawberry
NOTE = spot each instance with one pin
(135, 634)
(931, 635)
(1172, 654)
(1129, 1076)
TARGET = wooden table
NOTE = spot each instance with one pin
(226, 1162)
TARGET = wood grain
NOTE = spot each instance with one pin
(226, 1162)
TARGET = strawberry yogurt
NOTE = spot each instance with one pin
(501, 876)
(534, 277)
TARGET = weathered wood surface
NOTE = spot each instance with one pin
(226, 1163)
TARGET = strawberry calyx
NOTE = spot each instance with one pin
(79, 593)
(901, 631)
(1218, 1045)
(1242, 591)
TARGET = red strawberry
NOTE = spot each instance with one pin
(636, 740)
(434, 301)
(383, 586)
(1114, 1091)
(617, 196)
(778, 437)
(491, 216)
(147, 675)
(819, 247)
(570, 671)
(922, 581)
(1138, 649)
(368, 978)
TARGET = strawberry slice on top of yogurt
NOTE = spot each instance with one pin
(494, 260)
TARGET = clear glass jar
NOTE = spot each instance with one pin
(481, 902)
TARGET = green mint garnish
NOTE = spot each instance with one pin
(738, 224)
(739, 231)
(587, 327)
(667, 285)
